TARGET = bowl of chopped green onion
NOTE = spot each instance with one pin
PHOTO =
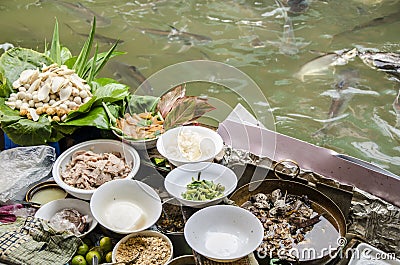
(200, 184)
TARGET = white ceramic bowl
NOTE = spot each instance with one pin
(143, 233)
(176, 181)
(49, 209)
(97, 146)
(211, 144)
(125, 206)
(183, 260)
(223, 233)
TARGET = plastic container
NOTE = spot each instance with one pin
(8, 144)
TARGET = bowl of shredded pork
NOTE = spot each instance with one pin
(83, 168)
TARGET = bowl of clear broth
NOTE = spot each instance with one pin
(45, 192)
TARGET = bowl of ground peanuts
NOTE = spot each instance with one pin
(145, 247)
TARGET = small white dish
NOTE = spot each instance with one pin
(223, 233)
(125, 206)
(176, 181)
(48, 210)
(145, 233)
(207, 144)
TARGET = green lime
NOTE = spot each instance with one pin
(109, 256)
(78, 260)
(82, 249)
(106, 244)
(91, 254)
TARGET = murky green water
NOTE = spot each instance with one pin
(241, 37)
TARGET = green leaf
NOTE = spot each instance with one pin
(65, 56)
(85, 108)
(8, 115)
(99, 61)
(92, 71)
(139, 104)
(83, 56)
(3, 81)
(59, 132)
(103, 60)
(96, 117)
(16, 60)
(108, 90)
(99, 82)
(112, 115)
(26, 132)
(70, 62)
(62, 128)
(182, 113)
(105, 90)
(55, 49)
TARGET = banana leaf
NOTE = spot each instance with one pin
(97, 117)
(8, 115)
(16, 60)
(28, 132)
(108, 90)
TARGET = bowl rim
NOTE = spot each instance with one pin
(139, 183)
(41, 186)
(139, 141)
(56, 167)
(217, 140)
(207, 202)
(143, 233)
(73, 202)
(182, 257)
(236, 208)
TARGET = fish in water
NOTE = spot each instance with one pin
(131, 76)
(389, 19)
(346, 79)
(5, 46)
(321, 64)
(388, 62)
(83, 12)
(100, 38)
(297, 6)
(288, 44)
(176, 33)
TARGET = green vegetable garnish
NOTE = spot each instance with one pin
(203, 190)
